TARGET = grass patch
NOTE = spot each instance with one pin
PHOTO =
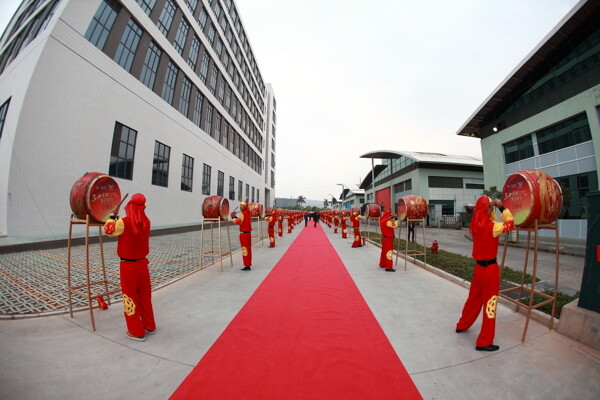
(463, 266)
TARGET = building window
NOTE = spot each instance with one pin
(518, 149)
(128, 45)
(240, 191)
(160, 166)
(103, 20)
(221, 95)
(214, 75)
(475, 186)
(169, 83)
(272, 179)
(192, 4)
(194, 50)
(148, 75)
(122, 152)
(198, 108)
(184, 101)
(231, 188)
(208, 120)
(253, 194)
(445, 182)
(206, 179)
(565, 134)
(257, 195)
(247, 192)
(187, 173)
(202, 18)
(147, 5)
(3, 112)
(575, 189)
(181, 36)
(211, 34)
(166, 17)
(204, 67)
(220, 183)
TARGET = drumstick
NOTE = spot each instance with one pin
(116, 209)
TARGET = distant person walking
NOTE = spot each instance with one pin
(316, 216)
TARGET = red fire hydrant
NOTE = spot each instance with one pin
(434, 247)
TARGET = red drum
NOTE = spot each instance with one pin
(532, 195)
(95, 194)
(346, 212)
(372, 211)
(215, 207)
(356, 210)
(412, 207)
(269, 211)
(256, 209)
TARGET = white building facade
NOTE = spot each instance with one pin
(165, 96)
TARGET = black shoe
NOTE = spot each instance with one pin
(390, 270)
(460, 330)
(490, 347)
(246, 269)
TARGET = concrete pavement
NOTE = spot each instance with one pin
(58, 357)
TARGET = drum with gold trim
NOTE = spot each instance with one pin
(412, 207)
(256, 209)
(532, 195)
(372, 211)
(215, 207)
(94, 194)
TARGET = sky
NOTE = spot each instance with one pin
(351, 76)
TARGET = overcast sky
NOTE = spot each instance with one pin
(352, 76)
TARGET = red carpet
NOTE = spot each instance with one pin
(306, 333)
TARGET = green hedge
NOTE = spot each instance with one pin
(462, 267)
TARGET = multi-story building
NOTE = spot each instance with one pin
(165, 96)
(448, 182)
(545, 115)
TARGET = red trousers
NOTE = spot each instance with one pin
(271, 231)
(246, 245)
(387, 252)
(344, 231)
(357, 241)
(280, 229)
(483, 293)
(137, 296)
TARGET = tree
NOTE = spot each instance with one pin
(301, 200)
(493, 193)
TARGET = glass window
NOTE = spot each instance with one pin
(214, 75)
(194, 50)
(518, 149)
(160, 166)
(128, 45)
(231, 188)
(575, 189)
(192, 4)
(208, 120)
(148, 75)
(217, 133)
(240, 192)
(198, 108)
(184, 101)
(204, 67)
(3, 112)
(247, 191)
(122, 152)
(220, 183)
(445, 182)
(101, 24)
(202, 18)
(187, 173)
(169, 83)
(147, 5)
(181, 36)
(565, 134)
(206, 171)
(211, 34)
(166, 17)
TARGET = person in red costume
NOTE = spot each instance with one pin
(133, 247)
(336, 222)
(355, 219)
(272, 219)
(344, 228)
(388, 223)
(280, 224)
(245, 223)
(485, 284)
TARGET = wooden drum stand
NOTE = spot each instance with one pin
(530, 304)
(213, 252)
(259, 234)
(413, 252)
(85, 290)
